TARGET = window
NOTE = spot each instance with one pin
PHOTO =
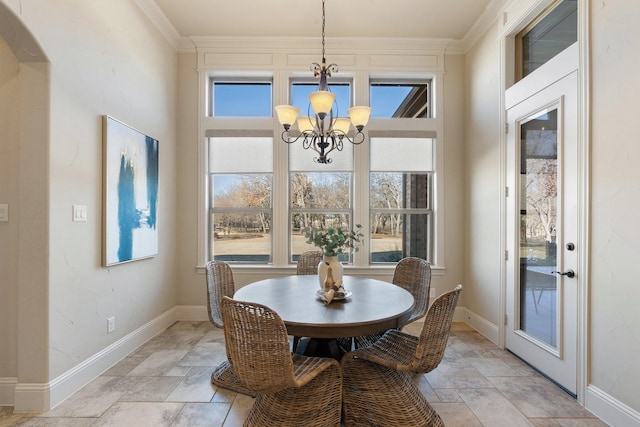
(400, 99)
(555, 30)
(240, 214)
(240, 99)
(262, 193)
(400, 198)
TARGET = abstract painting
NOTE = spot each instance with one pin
(130, 162)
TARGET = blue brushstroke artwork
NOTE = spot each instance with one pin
(131, 194)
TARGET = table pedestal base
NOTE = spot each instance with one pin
(320, 347)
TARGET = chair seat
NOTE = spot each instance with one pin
(307, 368)
(224, 376)
(395, 350)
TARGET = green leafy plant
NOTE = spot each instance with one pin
(334, 241)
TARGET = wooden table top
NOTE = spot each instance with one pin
(374, 305)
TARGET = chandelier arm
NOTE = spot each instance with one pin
(357, 139)
(309, 142)
(286, 137)
(331, 68)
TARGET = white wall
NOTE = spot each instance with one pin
(615, 229)
(105, 58)
(483, 193)
(9, 134)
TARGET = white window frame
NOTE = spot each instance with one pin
(418, 60)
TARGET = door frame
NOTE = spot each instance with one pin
(512, 18)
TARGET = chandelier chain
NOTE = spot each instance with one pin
(323, 14)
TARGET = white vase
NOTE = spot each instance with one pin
(336, 270)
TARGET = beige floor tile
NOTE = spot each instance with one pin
(194, 387)
(54, 422)
(158, 363)
(95, 398)
(445, 376)
(239, 410)
(537, 397)
(205, 354)
(126, 365)
(493, 409)
(456, 415)
(202, 415)
(151, 389)
(140, 414)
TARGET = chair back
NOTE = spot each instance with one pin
(414, 275)
(257, 346)
(435, 332)
(308, 262)
(219, 284)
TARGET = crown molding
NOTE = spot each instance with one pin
(155, 15)
(343, 45)
(488, 18)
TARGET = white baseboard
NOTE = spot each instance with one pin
(7, 390)
(609, 409)
(43, 397)
(490, 330)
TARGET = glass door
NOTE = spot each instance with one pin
(542, 228)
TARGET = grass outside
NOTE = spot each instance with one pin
(261, 245)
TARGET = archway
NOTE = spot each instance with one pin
(25, 118)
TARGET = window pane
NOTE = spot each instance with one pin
(242, 99)
(388, 190)
(549, 36)
(241, 236)
(320, 190)
(302, 220)
(402, 154)
(241, 191)
(240, 154)
(395, 236)
(398, 100)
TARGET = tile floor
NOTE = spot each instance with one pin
(166, 382)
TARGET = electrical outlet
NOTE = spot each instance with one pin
(432, 293)
(111, 324)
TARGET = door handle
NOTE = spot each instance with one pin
(569, 273)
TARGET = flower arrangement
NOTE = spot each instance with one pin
(334, 241)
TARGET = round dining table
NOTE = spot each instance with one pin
(371, 306)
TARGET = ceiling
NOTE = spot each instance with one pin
(432, 19)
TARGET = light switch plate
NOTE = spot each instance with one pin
(79, 213)
(4, 212)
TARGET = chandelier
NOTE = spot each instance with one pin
(326, 131)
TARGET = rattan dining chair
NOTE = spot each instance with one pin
(308, 262)
(379, 388)
(414, 275)
(291, 389)
(219, 284)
